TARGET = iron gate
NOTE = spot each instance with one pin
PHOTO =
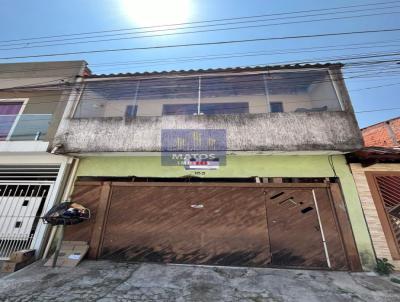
(389, 189)
(21, 206)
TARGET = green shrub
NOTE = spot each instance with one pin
(384, 267)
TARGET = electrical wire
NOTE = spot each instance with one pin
(378, 110)
(169, 61)
(374, 87)
(309, 36)
(162, 30)
(192, 32)
(241, 80)
(384, 43)
(357, 75)
(210, 21)
(103, 88)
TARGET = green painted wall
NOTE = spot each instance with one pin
(248, 166)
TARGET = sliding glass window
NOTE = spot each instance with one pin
(267, 92)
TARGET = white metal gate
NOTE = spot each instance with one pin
(21, 206)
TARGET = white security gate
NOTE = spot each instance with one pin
(22, 204)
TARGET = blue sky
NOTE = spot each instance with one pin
(25, 19)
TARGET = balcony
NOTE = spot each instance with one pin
(283, 110)
(305, 91)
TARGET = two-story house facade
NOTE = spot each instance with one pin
(240, 166)
(33, 97)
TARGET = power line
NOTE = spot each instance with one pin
(190, 27)
(206, 21)
(351, 64)
(206, 43)
(35, 85)
(60, 86)
(256, 53)
(128, 88)
(316, 60)
(181, 33)
(376, 110)
(382, 43)
(374, 87)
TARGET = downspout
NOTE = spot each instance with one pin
(66, 196)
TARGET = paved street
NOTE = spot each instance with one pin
(109, 281)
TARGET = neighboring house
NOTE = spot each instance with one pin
(376, 171)
(32, 101)
(384, 134)
(241, 166)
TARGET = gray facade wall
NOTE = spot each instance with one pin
(245, 132)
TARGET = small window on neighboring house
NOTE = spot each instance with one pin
(276, 106)
(131, 111)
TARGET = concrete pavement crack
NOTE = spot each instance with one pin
(123, 281)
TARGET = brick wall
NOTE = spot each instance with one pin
(395, 125)
(385, 134)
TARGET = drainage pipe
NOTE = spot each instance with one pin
(66, 196)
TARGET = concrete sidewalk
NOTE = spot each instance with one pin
(111, 281)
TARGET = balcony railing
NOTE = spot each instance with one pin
(24, 127)
(269, 92)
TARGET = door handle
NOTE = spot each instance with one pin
(197, 206)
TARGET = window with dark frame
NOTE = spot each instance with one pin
(276, 106)
(130, 111)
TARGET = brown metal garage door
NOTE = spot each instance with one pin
(289, 225)
(302, 229)
(184, 224)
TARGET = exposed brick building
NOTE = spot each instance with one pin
(384, 134)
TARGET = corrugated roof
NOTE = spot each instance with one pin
(216, 70)
(372, 155)
(379, 123)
